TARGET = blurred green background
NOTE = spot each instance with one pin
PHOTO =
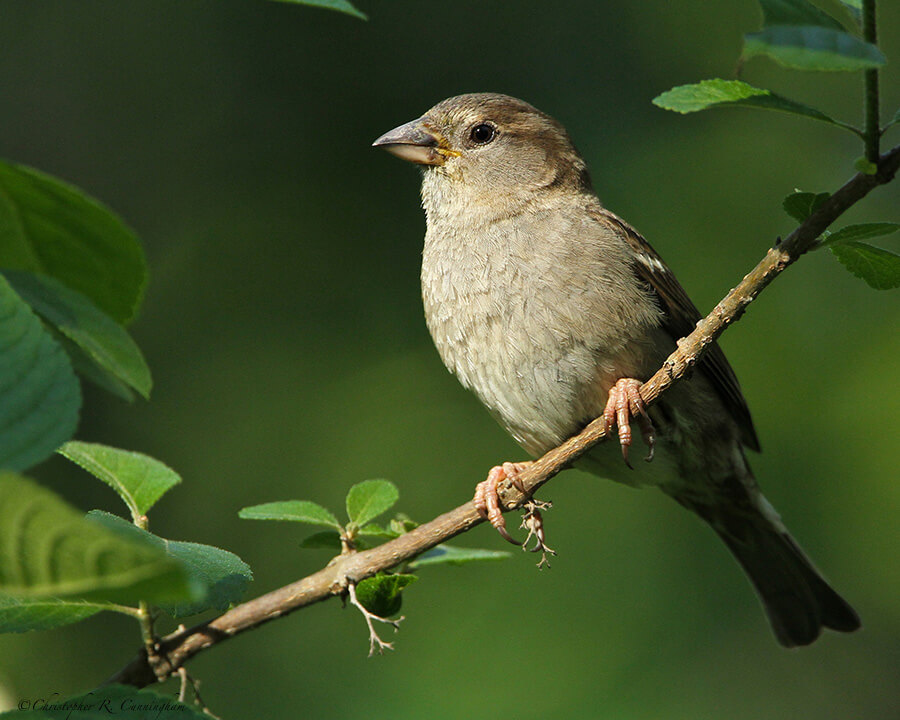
(284, 328)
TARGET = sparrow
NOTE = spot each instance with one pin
(553, 310)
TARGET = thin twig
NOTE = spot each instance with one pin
(182, 691)
(533, 522)
(872, 133)
(187, 680)
(145, 618)
(179, 647)
(375, 642)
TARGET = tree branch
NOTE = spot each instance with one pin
(171, 652)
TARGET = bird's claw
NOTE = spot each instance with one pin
(487, 502)
(624, 403)
(487, 495)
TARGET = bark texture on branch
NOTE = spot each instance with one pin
(177, 648)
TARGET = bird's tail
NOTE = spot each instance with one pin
(796, 598)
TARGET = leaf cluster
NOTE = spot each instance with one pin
(365, 502)
(800, 36)
(61, 567)
(72, 277)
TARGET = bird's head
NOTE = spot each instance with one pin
(488, 148)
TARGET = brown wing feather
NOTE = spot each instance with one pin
(681, 319)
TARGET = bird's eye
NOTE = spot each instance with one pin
(482, 133)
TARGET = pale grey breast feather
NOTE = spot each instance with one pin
(539, 347)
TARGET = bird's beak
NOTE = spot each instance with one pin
(415, 142)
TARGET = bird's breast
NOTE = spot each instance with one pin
(514, 308)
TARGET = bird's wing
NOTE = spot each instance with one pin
(681, 316)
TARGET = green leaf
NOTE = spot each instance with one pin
(39, 393)
(48, 549)
(373, 530)
(879, 268)
(89, 370)
(894, 120)
(368, 499)
(813, 48)
(24, 614)
(327, 539)
(339, 5)
(381, 594)
(450, 555)
(101, 338)
(49, 227)
(302, 511)
(139, 479)
(222, 575)
(732, 93)
(853, 9)
(796, 12)
(402, 524)
(800, 205)
(863, 231)
(108, 701)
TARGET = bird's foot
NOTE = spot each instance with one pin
(533, 521)
(487, 496)
(624, 403)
